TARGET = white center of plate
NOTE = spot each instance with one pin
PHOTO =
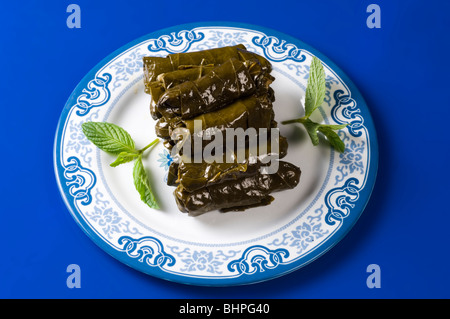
(131, 111)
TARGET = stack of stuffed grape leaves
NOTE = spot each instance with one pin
(219, 89)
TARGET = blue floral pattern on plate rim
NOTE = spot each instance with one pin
(344, 201)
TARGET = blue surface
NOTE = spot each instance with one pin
(400, 69)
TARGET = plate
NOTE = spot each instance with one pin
(215, 249)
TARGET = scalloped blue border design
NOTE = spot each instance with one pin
(275, 256)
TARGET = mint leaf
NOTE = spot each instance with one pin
(311, 127)
(142, 184)
(315, 89)
(332, 137)
(108, 137)
(124, 157)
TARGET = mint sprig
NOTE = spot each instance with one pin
(114, 140)
(314, 96)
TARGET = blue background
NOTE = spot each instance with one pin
(401, 70)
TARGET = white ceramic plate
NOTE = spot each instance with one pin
(215, 248)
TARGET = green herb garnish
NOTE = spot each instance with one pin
(314, 96)
(142, 184)
(115, 140)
